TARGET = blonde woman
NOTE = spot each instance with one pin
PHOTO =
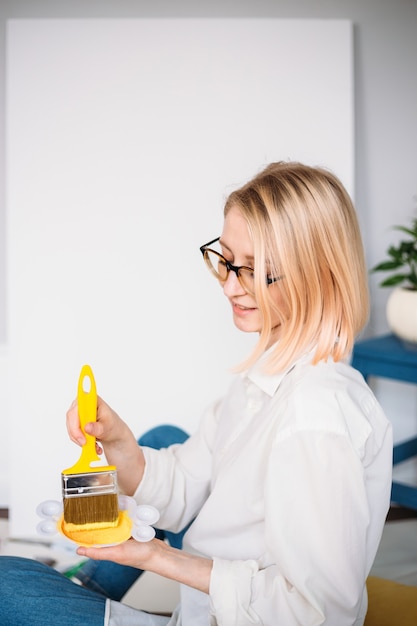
(286, 483)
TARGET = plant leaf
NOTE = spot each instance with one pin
(408, 231)
(387, 266)
(394, 280)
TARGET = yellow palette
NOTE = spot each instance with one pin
(87, 535)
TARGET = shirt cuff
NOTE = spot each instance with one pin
(231, 592)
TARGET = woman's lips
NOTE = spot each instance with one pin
(241, 310)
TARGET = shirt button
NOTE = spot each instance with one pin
(254, 405)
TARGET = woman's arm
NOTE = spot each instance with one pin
(122, 450)
(158, 557)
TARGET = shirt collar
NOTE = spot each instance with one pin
(269, 383)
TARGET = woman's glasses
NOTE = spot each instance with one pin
(220, 268)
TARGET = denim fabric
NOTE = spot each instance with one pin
(33, 593)
(114, 580)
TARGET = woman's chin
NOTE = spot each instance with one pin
(245, 325)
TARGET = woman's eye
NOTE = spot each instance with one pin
(227, 260)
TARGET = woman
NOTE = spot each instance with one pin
(286, 483)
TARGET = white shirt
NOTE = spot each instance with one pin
(288, 479)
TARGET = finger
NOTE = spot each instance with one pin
(95, 429)
(73, 424)
(92, 553)
(109, 553)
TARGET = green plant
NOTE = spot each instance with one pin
(403, 256)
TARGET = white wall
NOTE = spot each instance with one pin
(126, 152)
(386, 130)
(5, 430)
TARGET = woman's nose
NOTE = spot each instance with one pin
(232, 286)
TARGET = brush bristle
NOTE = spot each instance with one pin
(98, 510)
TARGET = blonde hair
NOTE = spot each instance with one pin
(304, 229)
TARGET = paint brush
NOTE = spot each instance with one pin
(89, 492)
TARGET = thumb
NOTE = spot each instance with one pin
(94, 429)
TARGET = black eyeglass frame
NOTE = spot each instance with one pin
(234, 268)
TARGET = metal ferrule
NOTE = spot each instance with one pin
(94, 483)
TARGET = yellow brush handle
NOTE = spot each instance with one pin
(87, 410)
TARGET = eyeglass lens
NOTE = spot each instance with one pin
(218, 266)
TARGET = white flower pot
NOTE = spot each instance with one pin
(402, 314)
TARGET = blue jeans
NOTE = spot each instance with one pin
(35, 594)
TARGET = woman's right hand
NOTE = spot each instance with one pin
(119, 443)
(107, 427)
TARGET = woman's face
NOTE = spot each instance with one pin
(237, 248)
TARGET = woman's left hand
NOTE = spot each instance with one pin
(158, 557)
(131, 552)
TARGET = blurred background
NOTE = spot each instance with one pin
(374, 144)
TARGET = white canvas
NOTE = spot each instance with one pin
(123, 139)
